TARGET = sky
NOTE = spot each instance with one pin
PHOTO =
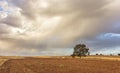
(54, 27)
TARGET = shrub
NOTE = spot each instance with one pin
(96, 53)
(119, 54)
(101, 54)
(111, 55)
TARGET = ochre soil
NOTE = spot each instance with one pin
(60, 65)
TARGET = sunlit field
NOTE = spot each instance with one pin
(61, 64)
(2, 61)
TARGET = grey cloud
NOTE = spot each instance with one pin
(80, 20)
(62, 7)
(13, 21)
(4, 29)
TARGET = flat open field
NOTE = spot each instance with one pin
(3, 59)
(60, 65)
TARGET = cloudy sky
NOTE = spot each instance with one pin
(54, 27)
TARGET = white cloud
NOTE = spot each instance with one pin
(42, 24)
(3, 15)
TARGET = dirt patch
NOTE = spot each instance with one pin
(59, 65)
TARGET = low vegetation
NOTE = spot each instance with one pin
(60, 65)
(2, 61)
(119, 54)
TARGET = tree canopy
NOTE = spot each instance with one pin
(80, 50)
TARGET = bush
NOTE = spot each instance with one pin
(119, 54)
(111, 55)
(101, 54)
(96, 53)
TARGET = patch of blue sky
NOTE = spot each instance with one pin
(114, 50)
(6, 11)
(107, 51)
(1, 9)
(3, 0)
(107, 36)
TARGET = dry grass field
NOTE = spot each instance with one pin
(90, 64)
(2, 61)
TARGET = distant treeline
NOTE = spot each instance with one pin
(110, 54)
